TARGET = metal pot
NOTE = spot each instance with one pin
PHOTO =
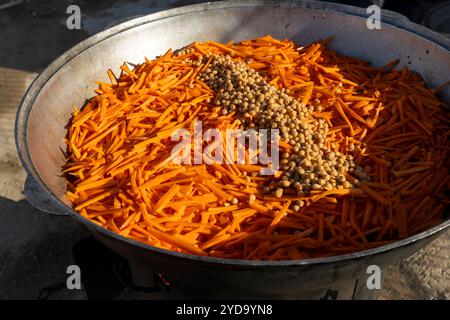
(46, 107)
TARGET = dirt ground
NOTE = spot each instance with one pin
(35, 245)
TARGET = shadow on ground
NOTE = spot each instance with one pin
(34, 33)
(35, 249)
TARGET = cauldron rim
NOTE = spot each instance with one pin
(25, 107)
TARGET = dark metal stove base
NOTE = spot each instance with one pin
(105, 276)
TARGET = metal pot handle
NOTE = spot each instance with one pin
(39, 200)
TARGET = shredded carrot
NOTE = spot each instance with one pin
(121, 173)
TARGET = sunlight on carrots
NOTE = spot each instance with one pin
(121, 177)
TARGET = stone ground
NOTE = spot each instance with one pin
(34, 246)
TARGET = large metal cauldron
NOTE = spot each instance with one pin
(46, 108)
